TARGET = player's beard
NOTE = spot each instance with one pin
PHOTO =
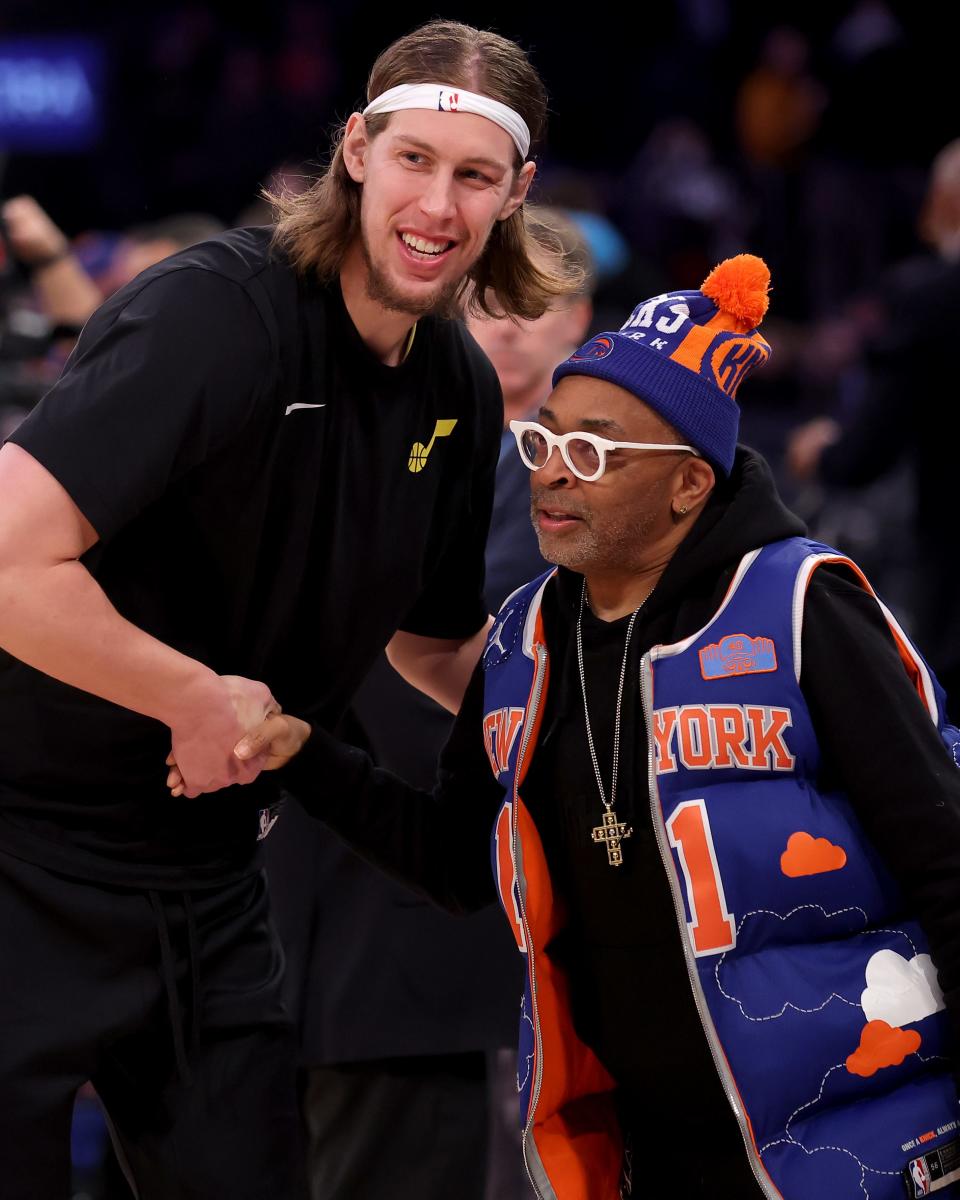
(382, 291)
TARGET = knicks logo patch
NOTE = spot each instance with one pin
(733, 358)
(599, 347)
(738, 654)
(500, 729)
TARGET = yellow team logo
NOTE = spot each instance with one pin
(419, 453)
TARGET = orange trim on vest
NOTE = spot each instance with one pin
(539, 640)
(906, 655)
(575, 1127)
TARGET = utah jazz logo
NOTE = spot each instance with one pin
(419, 453)
(500, 729)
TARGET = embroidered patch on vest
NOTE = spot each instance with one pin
(738, 654)
(807, 855)
(881, 1045)
(934, 1170)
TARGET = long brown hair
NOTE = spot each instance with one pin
(520, 272)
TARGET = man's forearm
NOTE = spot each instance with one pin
(436, 842)
(439, 668)
(57, 619)
(68, 294)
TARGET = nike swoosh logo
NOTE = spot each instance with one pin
(290, 407)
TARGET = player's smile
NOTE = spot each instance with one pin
(423, 251)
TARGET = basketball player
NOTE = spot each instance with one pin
(268, 457)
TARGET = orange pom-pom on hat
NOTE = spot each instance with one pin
(686, 354)
(740, 286)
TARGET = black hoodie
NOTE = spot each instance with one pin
(621, 946)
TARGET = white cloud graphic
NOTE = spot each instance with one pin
(899, 990)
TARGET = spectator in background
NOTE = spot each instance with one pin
(64, 290)
(524, 354)
(906, 353)
(288, 178)
(778, 110)
(779, 102)
(406, 1013)
(686, 210)
(145, 245)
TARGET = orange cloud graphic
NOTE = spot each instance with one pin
(807, 855)
(882, 1045)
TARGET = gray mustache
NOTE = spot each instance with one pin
(542, 499)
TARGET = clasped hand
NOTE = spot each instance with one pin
(241, 733)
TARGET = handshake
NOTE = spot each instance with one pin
(231, 729)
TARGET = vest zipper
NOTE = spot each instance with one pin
(532, 708)
(716, 1052)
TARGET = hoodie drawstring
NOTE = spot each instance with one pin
(168, 973)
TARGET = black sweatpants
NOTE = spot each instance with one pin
(170, 1003)
(684, 1159)
(398, 1129)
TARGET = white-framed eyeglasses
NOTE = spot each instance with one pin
(584, 453)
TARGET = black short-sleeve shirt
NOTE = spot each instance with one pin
(270, 499)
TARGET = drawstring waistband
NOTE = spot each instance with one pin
(193, 967)
(168, 972)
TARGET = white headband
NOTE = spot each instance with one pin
(442, 97)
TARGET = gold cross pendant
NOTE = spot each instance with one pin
(612, 832)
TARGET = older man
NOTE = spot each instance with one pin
(713, 752)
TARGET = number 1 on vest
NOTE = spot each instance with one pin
(712, 928)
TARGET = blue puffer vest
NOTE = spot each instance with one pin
(817, 995)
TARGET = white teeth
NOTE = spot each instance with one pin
(424, 247)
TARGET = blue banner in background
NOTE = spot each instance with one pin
(51, 93)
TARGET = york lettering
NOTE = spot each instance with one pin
(722, 736)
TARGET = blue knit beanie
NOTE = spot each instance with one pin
(686, 353)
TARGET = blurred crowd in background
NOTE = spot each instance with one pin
(681, 133)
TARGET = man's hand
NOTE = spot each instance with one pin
(202, 755)
(34, 238)
(438, 667)
(275, 741)
(271, 745)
